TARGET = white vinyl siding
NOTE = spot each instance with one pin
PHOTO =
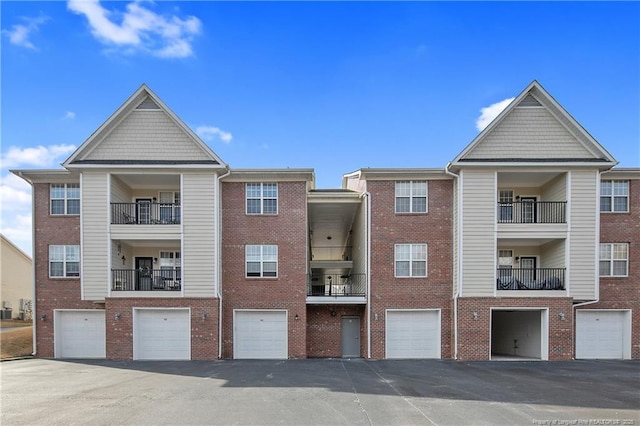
(142, 134)
(262, 198)
(584, 247)
(95, 223)
(614, 196)
(65, 198)
(199, 234)
(261, 261)
(478, 250)
(552, 254)
(411, 197)
(614, 259)
(64, 261)
(529, 133)
(411, 260)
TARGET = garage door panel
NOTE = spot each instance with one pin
(163, 334)
(601, 334)
(260, 335)
(80, 334)
(413, 334)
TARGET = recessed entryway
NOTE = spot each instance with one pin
(413, 333)
(161, 334)
(519, 334)
(79, 334)
(350, 337)
(603, 334)
(260, 334)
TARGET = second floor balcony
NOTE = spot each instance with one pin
(530, 279)
(144, 213)
(336, 285)
(530, 211)
(145, 279)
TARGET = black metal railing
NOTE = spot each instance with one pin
(337, 285)
(145, 214)
(530, 278)
(146, 279)
(532, 212)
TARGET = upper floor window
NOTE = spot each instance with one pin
(261, 261)
(614, 196)
(614, 259)
(262, 198)
(170, 265)
(64, 261)
(411, 197)
(65, 198)
(411, 260)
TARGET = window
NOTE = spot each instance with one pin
(614, 259)
(262, 198)
(505, 206)
(65, 198)
(411, 197)
(169, 207)
(170, 265)
(64, 261)
(614, 196)
(262, 261)
(411, 260)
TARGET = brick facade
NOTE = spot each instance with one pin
(324, 329)
(287, 230)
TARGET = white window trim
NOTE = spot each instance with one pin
(262, 261)
(65, 199)
(411, 196)
(612, 197)
(64, 263)
(411, 260)
(262, 198)
(611, 260)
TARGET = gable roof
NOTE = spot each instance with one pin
(551, 136)
(143, 100)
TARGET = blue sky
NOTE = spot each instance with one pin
(333, 86)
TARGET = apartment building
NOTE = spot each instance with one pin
(148, 246)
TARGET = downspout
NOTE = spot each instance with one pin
(367, 195)
(219, 271)
(33, 265)
(458, 266)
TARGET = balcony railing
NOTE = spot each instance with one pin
(532, 212)
(530, 278)
(146, 280)
(336, 285)
(331, 253)
(145, 214)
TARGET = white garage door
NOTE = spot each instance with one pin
(260, 335)
(80, 334)
(603, 334)
(162, 334)
(413, 334)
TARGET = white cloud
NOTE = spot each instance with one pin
(208, 133)
(40, 156)
(70, 115)
(15, 205)
(487, 114)
(139, 29)
(19, 34)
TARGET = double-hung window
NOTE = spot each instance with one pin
(170, 265)
(261, 261)
(614, 259)
(169, 207)
(411, 197)
(64, 261)
(65, 198)
(411, 260)
(614, 196)
(262, 198)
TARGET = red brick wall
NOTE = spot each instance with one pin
(433, 228)
(624, 292)
(474, 334)
(119, 332)
(324, 330)
(52, 293)
(287, 230)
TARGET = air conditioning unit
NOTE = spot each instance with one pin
(6, 305)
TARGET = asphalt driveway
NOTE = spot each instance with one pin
(328, 391)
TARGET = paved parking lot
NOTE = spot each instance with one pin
(328, 391)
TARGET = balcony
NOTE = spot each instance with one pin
(530, 278)
(145, 214)
(336, 285)
(532, 212)
(146, 280)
